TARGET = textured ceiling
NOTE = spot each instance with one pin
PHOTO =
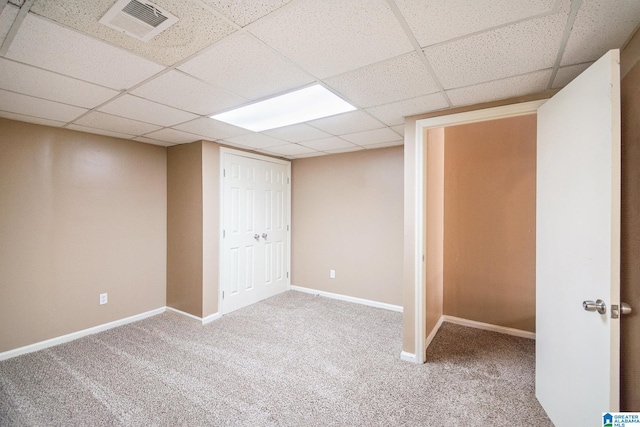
(389, 58)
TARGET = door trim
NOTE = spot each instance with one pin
(418, 196)
(224, 151)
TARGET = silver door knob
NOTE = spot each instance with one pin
(624, 309)
(256, 236)
(264, 235)
(598, 306)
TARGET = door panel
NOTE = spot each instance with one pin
(578, 247)
(255, 210)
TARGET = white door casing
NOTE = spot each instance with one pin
(578, 247)
(255, 247)
(416, 214)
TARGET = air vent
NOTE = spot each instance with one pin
(140, 19)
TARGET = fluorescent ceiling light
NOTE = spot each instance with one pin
(313, 102)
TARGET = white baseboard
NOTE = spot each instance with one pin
(79, 334)
(204, 320)
(433, 332)
(210, 318)
(490, 327)
(362, 301)
(409, 357)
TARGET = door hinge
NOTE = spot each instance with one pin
(224, 233)
(222, 294)
(288, 180)
(224, 173)
(287, 227)
(287, 274)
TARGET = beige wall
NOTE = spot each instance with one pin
(630, 240)
(184, 228)
(80, 215)
(210, 226)
(434, 227)
(489, 225)
(347, 216)
(193, 182)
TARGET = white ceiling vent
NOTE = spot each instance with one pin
(140, 19)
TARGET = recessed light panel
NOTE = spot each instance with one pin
(313, 102)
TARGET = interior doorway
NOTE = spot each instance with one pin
(480, 225)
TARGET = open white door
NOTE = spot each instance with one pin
(578, 247)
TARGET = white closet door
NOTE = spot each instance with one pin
(255, 247)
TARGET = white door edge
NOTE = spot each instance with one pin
(224, 151)
(422, 126)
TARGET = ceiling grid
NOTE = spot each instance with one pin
(389, 58)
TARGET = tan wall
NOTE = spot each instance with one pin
(193, 227)
(347, 216)
(489, 225)
(434, 227)
(630, 242)
(184, 228)
(80, 215)
(210, 226)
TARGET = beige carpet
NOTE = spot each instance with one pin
(294, 360)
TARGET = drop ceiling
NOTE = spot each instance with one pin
(390, 58)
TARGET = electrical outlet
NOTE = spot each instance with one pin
(103, 298)
(332, 274)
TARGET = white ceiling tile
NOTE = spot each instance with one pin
(182, 91)
(355, 121)
(97, 131)
(290, 150)
(154, 141)
(7, 17)
(399, 129)
(255, 140)
(501, 89)
(345, 150)
(173, 136)
(566, 74)
(36, 107)
(244, 12)
(600, 26)
(212, 129)
(197, 27)
(327, 144)
(394, 113)
(434, 21)
(54, 87)
(376, 136)
(31, 119)
(96, 119)
(243, 65)
(398, 78)
(297, 133)
(517, 49)
(47, 45)
(331, 37)
(307, 155)
(385, 144)
(146, 111)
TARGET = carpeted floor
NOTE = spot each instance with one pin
(294, 360)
